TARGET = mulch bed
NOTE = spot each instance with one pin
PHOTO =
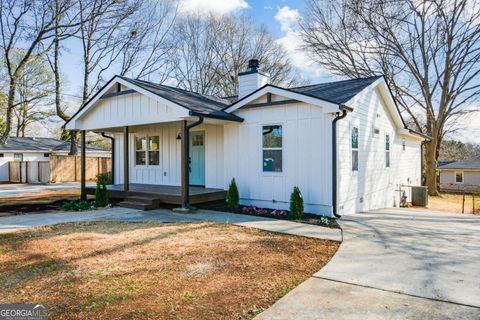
(308, 218)
(24, 208)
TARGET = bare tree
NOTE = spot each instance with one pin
(34, 93)
(148, 54)
(453, 150)
(122, 37)
(428, 51)
(28, 25)
(102, 35)
(211, 51)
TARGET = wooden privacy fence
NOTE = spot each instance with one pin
(29, 171)
(58, 169)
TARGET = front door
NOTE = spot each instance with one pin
(197, 158)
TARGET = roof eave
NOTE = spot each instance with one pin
(233, 117)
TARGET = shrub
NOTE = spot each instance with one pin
(324, 220)
(296, 203)
(233, 198)
(101, 193)
(77, 205)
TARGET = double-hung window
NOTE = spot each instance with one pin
(354, 149)
(272, 148)
(147, 150)
(18, 156)
(153, 150)
(387, 151)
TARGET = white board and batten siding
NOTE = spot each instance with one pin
(374, 185)
(168, 172)
(306, 151)
(128, 110)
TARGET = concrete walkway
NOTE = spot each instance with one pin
(394, 264)
(28, 221)
(14, 223)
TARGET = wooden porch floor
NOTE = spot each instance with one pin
(164, 194)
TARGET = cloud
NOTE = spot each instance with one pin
(268, 8)
(287, 18)
(217, 7)
(291, 42)
(468, 127)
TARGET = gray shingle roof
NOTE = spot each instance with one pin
(40, 144)
(198, 104)
(338, 91)
(473, 163)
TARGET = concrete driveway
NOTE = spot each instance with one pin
(395, 264)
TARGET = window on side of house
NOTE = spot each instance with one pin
(18, 156)
(154, 150)
(387, 151)
(272, 148)
(2, 155)
(459, 177)
(140, 150)
(354, 149)
(46, 155)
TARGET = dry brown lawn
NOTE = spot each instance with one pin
(41, 197)
(453, 203)
(116, 270)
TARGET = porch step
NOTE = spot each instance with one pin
(137, 205)
(143, 199)
(140, 202)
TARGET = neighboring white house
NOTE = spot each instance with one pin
(460, 175)
(37, 149)
(270, 140)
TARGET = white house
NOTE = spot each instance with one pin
(461, 175)
(37, 149)
(343, 143)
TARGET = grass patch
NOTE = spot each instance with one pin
(117, 270)
(450, 202)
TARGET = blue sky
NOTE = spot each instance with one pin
(278, 16)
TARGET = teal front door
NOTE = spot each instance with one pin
(197, 158)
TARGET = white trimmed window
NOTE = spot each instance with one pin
(18, 157)
(147, 152)
(153, 150)
(272, 148)
(354, 149)
(387, 151)
(458, 176)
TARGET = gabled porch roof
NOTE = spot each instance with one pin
(185, 103)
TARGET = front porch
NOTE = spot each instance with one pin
(157, 195)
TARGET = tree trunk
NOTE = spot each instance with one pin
(73, 143)
(431, 166)
(9, 112)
